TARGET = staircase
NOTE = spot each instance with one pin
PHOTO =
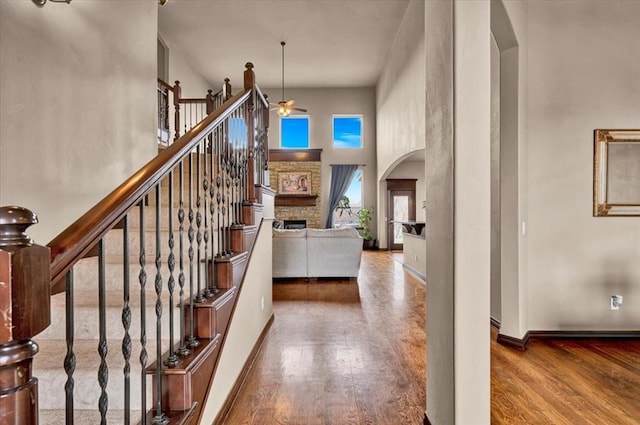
(145, 284)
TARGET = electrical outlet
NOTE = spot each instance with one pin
(262, 303)
(616, 302)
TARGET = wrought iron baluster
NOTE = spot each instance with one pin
(192, 341)
(228, 196)
(219, 140)
(70, 358)
(142, 279)
(259, 125)
(172, 360)
(207, 292)
(103, 370)
(225, 192)
(230, 183)
(159, 417)
(213, 137)
(182, 348)
(126, 322)
(199, 297)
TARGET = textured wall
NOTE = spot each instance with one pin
(78, 104)
(400, 92)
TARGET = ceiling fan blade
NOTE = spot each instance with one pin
(298, 109)
(290, 102)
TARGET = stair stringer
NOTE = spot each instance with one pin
(252, 314)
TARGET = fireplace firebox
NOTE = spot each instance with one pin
(295, 224)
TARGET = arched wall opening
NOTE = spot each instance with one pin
(410, 165)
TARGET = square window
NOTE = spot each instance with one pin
(294, 132)
(347, 131)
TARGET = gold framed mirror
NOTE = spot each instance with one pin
(616, 173)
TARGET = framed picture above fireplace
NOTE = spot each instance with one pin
(294, 183)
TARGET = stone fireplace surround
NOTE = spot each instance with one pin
(298, 207)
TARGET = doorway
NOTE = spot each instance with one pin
(401, 207)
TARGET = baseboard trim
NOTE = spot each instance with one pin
(494, 322)
(584, 334)
(426, 420)
(512, 342)
(226, 407)
(521, 344)
(414, 272)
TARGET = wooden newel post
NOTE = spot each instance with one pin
(226, 89)
(209, 101)
(25, 297)
(249, 76)
(249, 84)
(177, 92)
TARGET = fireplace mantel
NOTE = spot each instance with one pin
(295, 154)
(295, 200)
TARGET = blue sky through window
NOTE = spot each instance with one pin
(347, 132)
(354, 192)
(294, 132)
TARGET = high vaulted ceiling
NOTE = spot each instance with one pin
(329, 43)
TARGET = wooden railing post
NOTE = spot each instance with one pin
(25, 297)
(177, 92)
(209, 101)
(249, 84)
(226, 89)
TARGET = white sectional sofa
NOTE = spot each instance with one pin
(313, 253)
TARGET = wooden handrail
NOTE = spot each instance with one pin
(193, 100)
(165, 84)
(262, 97)
(78, 239)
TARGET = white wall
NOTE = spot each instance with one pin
(510, 27)
(322, 104)
(400, 93)
(415, 255)
(78, 104)
(192, 82)
(472, 212)
(584, 73)
(495, 182)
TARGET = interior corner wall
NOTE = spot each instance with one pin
(583, 74)
(472, 209)
(458, 211)
(77, 105)
(509, 23)
(322, 104)
(439, 168)
(192, 83)
(400, 92)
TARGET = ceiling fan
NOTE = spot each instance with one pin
(285, 107)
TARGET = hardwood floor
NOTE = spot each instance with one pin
(341, 353)
(566, 382)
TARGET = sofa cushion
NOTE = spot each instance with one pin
(344, 232)
(289, 233)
